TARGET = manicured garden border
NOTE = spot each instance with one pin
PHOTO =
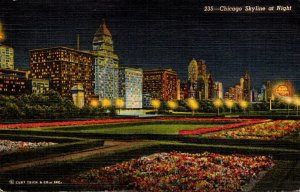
(281, 143)
(64, 169)
(65, 145)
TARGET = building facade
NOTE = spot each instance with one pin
(200, 83)
(13, 82)
(63, 67)
(105, 65)
(160, 84)
(38, 85)
(218, 90)
(131, 87)
(6, 57)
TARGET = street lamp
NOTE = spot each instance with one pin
(243, 104)
(155, 103)
(288, 100)
(297, 103)
(192, 104)
(229, 104)
(172, 104)
(218, 103)
(119, 103)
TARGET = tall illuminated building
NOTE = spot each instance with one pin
(160, 84)
(246, 87)
(6, 57)
(131, 87)
(200, 82)
(218, 90)
(105, 66)
(63, 67)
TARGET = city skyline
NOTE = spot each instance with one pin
(164, 35)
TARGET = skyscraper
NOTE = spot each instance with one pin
(131, 87)
(106, 63)
(246, 87)
(63, 67)
(199, 81)
(160, 84)
(6, 57)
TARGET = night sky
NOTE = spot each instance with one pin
(165, 34)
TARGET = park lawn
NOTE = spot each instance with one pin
(169, 129)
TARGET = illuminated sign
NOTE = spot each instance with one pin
(283, 89)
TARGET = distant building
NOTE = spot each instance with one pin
(184, 90)
(6, 57)
(38, 85)
(200, 83)
(131, 87)
(160, 83)
(240, 91)
(218, 90)
(106, 64)
(63, 67)
(13, 82)
(178, 89)
(246, 87)
(254, 96)
(78, 95)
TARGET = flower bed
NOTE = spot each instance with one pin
(105, 121)
(219, 128)
(11, 146)
(264, 131)
(178, 172)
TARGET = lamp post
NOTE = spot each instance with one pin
(172, 104)
(288, 100)
(218, 103)
(155, 103)
(229, 104)
(192, 104)
(243, 104)
(105, 103)
(119, 103)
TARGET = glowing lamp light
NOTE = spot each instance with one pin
(2, 35)
(94, 103)
(218, 103)
(172, 104)
(105, 103)
(155, 103)
(243, 104)
(192, 104)
(119, 103)
(297, 101)
(288, 100)
(229, 104)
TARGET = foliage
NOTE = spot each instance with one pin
(49, 105)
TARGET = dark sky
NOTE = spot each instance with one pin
(166, 33)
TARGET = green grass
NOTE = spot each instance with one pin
(170, 129)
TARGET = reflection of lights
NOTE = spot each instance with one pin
(172, 104)
(94, 103)
(192, 104)
(119, 103)
(243, 104)
(105, 103)
(218, 103)
(155, 103)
